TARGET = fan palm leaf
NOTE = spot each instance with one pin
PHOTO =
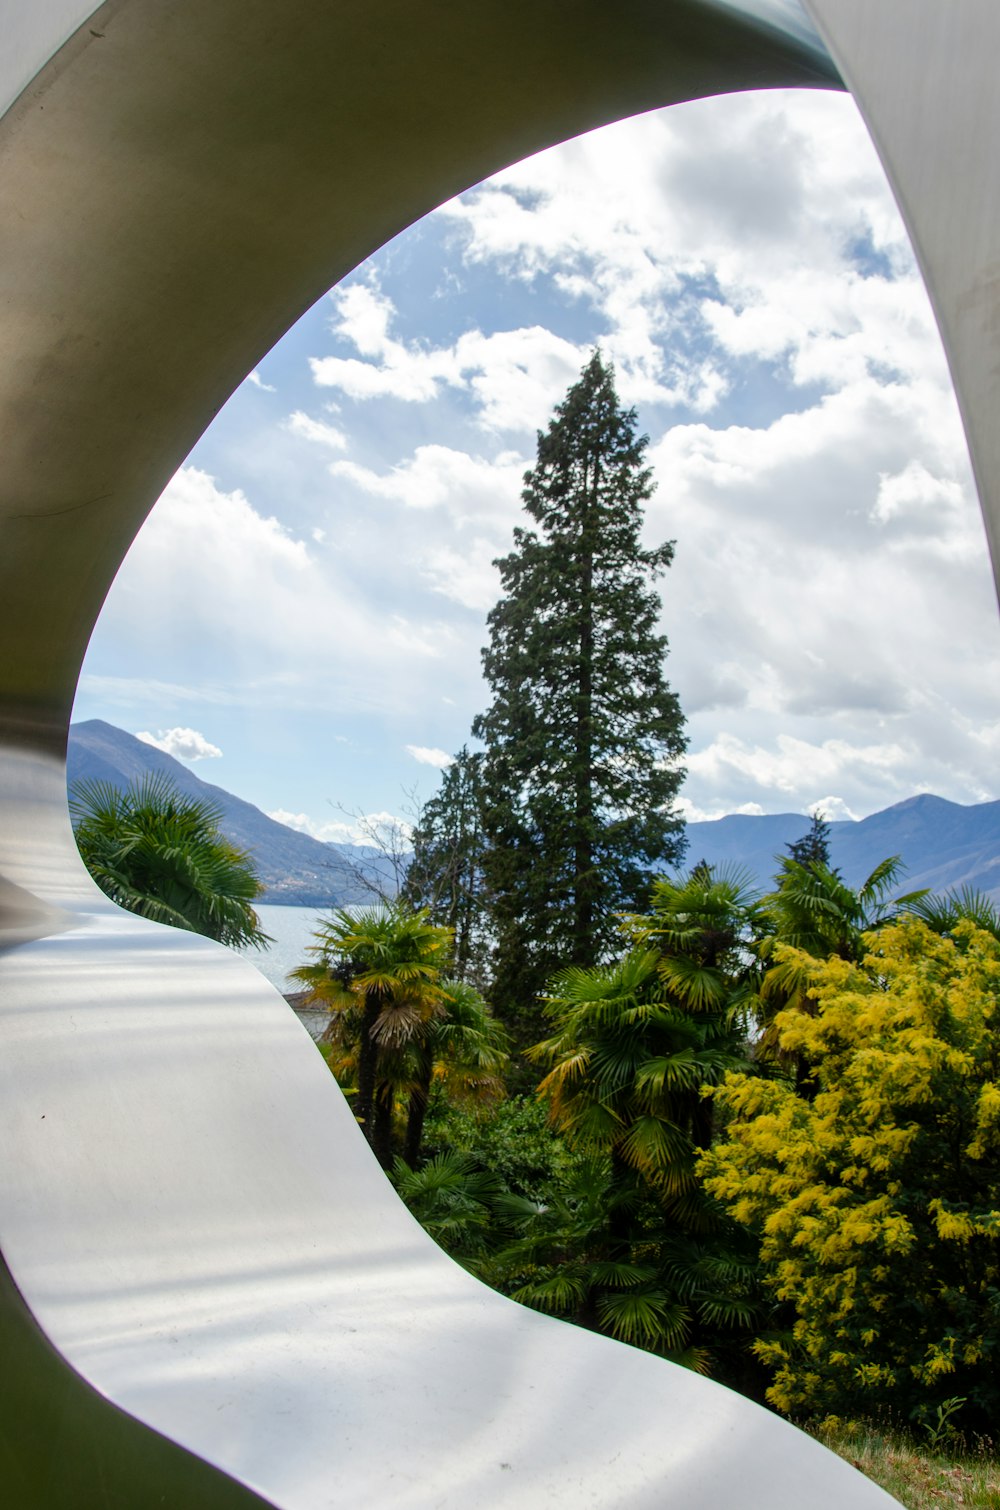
(160, 853)
(964, 904)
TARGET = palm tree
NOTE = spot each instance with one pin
(813, 908)
(637, 1044)
(594, 1254)
(637, 1041)
(705, 927)
(161, 854)
(378, 971)
(465, 1050)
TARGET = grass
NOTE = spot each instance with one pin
(920, 1476)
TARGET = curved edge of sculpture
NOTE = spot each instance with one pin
(59, 1437)
(187, 1207)
(201, 1231)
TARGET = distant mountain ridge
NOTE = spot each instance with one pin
(942, 844)
(295, 868)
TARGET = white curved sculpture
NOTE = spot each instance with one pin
(211, 1296)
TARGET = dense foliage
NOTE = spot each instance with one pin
(877, 1200)
(815, 912)
(161, 854)
(583, 736)
(764, 1139)
(599, 1217)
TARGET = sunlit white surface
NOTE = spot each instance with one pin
(30, 32)
(212, 1242)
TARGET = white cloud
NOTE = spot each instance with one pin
(397, 371)
(183, 744)
(466, 577)
(735, 220)
(214, 590)
(301, 822)
(258, 382)
(382, 830)
(368, 829)
(784, 772)
(833, 809)
(364, 315)
(470, 488)
(792, 764)
(414, 381)
(315, 430)
(469, 493)
(517, 376)
(830, 566)
(694, 814)
(513, 376)
(917, 497)
(439, 758)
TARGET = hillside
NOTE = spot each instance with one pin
(295, 868)
(942, 843)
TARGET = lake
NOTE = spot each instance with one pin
(292, 929)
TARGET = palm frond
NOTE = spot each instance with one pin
(645, 1318)
(944, 911)
(562, 1291)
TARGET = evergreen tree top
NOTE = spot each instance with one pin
(590, 471)
(814, 846)
(583, 735)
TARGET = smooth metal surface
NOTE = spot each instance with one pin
(209, 1240)
(786, 16)
(186, 1205)
(30, 34)
(63, 1445)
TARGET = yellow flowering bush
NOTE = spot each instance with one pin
(876, 1201)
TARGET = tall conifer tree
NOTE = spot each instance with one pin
(583, 735)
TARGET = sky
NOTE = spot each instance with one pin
(301, 618)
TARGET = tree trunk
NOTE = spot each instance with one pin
(619, 1244)
(702, 1122)
(583, 825)
(364, 1104)
(382, 1138)
(417, 1110)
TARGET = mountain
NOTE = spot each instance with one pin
(942, 844)
(295, 868)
